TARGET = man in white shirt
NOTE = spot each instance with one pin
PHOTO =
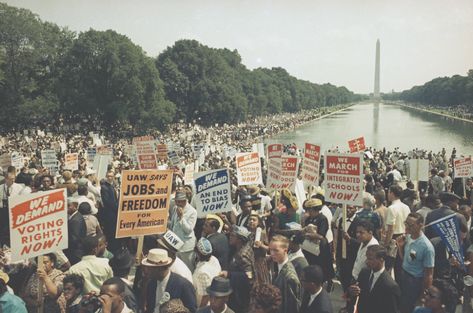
(395, 217)
(315, 299)
(364, 234)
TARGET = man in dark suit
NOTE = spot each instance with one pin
(315, 299)
(109, 213)
(163, 284)
(212, 231)
(77, 230)
(218, 291)
(376, 289)
(286, 276)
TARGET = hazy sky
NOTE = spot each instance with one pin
(317, 40)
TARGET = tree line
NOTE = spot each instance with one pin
(442, 92)
(48, 71)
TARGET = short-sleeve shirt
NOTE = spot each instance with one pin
(397, 215)
(419, 254)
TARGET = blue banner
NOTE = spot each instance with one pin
(448, 229)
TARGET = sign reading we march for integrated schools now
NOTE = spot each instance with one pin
(463, 167)
(38, 223)
(344, 178)
(213, 192)
(144, 202)
(311, 164)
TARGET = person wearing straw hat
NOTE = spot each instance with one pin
(163, 284)
(219, 292)
(212, 230)
(171, 242)
(183, 220)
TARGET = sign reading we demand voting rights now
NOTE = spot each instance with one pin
(213, 192)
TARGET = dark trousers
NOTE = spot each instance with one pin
(411, 290)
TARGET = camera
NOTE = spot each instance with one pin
(91, 303)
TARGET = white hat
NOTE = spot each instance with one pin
(157, 257)
(170, 239)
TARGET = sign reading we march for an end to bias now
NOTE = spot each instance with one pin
(344, 178)
(213, 192)
(144, 202)
(38, 223)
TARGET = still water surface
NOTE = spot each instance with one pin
(384, 125)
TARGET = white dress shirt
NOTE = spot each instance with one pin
(360, 261)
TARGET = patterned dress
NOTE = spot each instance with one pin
(31, 293)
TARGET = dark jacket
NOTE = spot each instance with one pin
(77, 230)
(384, 297)
(220, 248)
(290, 287)
(178, 288)
(206, 309)
(321, 303)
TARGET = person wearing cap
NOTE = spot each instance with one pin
(8, 301)
(212, 230)
(206, 269)
(171, 242)
(183, 220)
(241, 270)
(164, 285)
(76, 229)
(449, 206)
(315, 217)
(219, 292)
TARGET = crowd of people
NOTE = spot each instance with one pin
(251, 259)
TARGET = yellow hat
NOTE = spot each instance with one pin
(4, 276)
(312, 203)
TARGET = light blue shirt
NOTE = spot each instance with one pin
(419, 254)
(12, 304)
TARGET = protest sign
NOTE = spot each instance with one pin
(49, 159)
(248, 169)
(448, 229)
(17, 160)
(274, 166)
(175, 160)
(146, 156)
(288, 172)
(71, 161)
(311, 164)
(100, 165)
(189, 174)
(463, 167)
(344, 178)
(213, 192)
(418, 170)
(144, 202)
(258, 147)
(5, 161)
(357, 144)
(38, 223)
(91, 153)
(162, 152)
(105, 150)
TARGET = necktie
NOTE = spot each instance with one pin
(370, 282)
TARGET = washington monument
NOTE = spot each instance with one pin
(376, 74)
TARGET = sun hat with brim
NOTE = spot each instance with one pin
(217, 218)
(4, 276)
(220, 287)
(312, 203)
(156, 258)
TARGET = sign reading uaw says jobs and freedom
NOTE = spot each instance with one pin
(344, 178)
(38, 223)
(213, 192)
(144, 202)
